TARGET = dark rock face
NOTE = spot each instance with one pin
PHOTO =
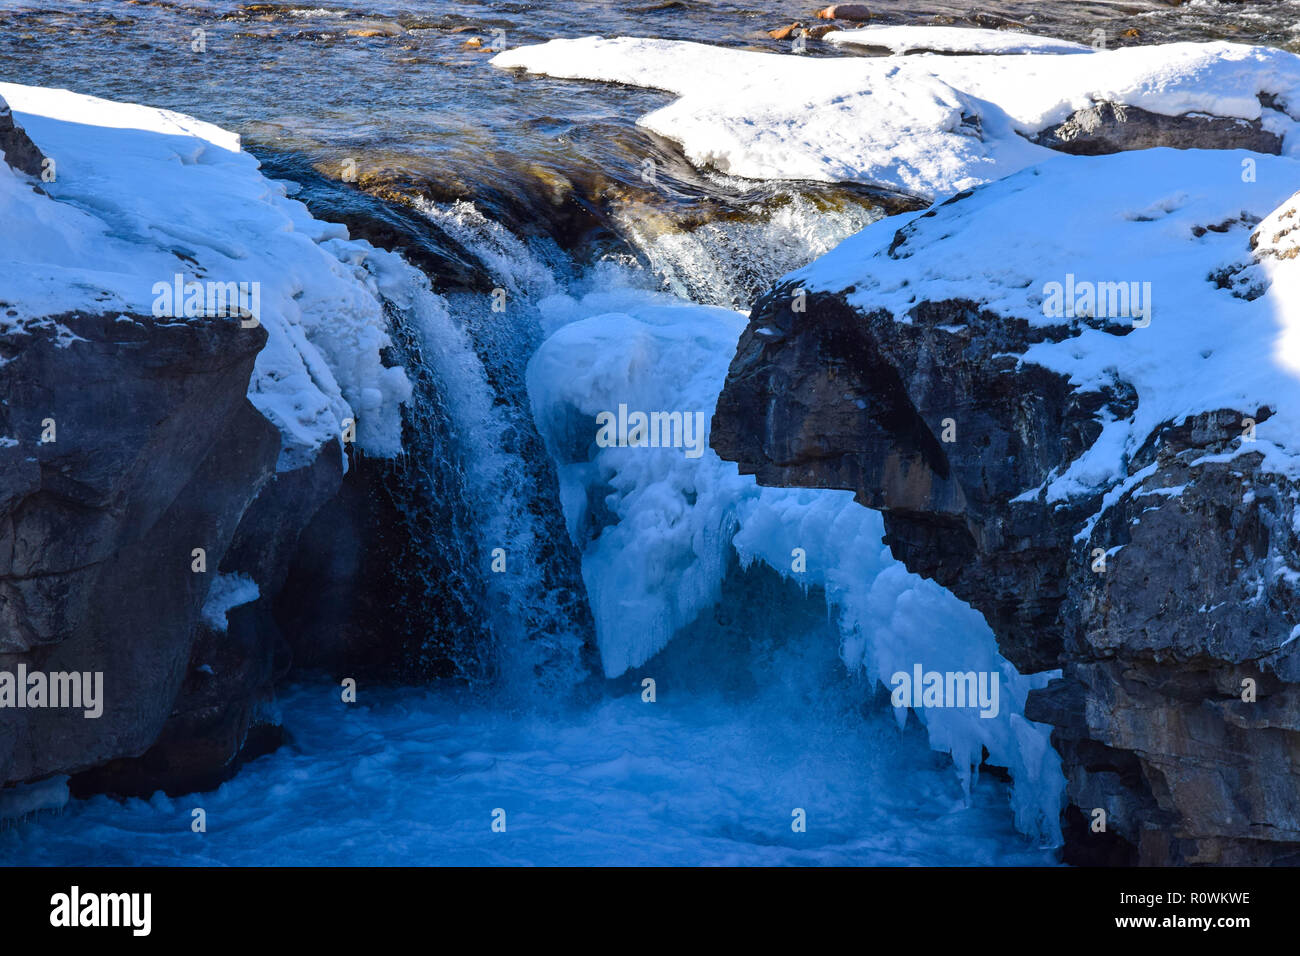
(1113, 127)
(1158, 650)
(156, 452)
(19, 150)
(217, 719)
(856, 402)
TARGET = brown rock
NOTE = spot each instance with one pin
(857, 12)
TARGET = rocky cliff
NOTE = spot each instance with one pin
(160, 458)
(1113, 488)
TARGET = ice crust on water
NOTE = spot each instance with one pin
(142, 194)
(928, 125)
(659, 530)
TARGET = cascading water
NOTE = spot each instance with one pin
(641, 600)
(482, 490)
(479, 484)
(729, 262)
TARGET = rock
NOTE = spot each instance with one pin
(231, 673)
(1112, 127)
(19, 150)
(473, 43)
(857, 12)
(217, 722)
(157, 452)
(128, 441)
(784, 32)
(1161, 649)
(375, 28)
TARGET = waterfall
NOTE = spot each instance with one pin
(480, 498)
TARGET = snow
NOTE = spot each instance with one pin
(144, 194)
(658, 529)
(1133, 217)
(227, 592)
(930, 125)
(903, 39)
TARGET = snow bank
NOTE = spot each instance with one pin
(658, 528)
(926, 125)
(1223, 288)
(899, 39)
(143, 195)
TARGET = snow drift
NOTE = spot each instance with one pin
(928, 125)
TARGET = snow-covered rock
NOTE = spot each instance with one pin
(930, 125)
(142, 195)
(152, 442)
(1075, 395)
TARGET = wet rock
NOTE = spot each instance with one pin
(1113, 127)
(374, 28)
(232, 671)
(19, 150)
(857, 12)
(784, 33)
